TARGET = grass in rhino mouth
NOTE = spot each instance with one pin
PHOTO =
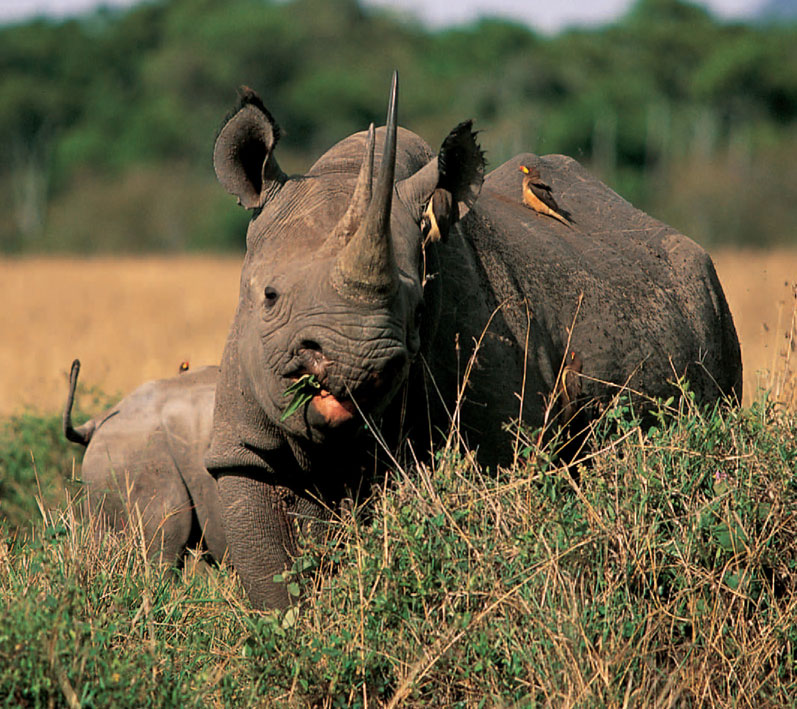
(302, 390)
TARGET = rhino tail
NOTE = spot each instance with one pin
(81, 434)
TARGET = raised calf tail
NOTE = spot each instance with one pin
(81, 434)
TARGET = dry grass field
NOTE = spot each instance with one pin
(761, 287)
(127, 319)
(130, 320)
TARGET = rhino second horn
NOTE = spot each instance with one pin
(360, 199)
(366, 268)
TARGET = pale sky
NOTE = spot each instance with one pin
(543, 15)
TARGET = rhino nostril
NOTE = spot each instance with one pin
(312, 358)
(310, 345)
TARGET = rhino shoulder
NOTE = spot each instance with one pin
(142, 409)
(574, 188)
(187, 417)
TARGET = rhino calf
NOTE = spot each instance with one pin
(144, 457)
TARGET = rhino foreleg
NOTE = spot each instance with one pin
(261, 535)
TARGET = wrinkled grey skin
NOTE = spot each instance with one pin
(145, 455)
(336, 283)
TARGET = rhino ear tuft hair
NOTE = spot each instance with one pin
(243, 156)
(460, 166)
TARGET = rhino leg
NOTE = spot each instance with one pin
(153, 497)
(260, 527)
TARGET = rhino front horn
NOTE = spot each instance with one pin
(366, 268)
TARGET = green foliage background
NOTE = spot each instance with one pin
(107, 121)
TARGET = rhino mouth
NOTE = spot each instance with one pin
(341, 399)
(332, 410)
(333, 407)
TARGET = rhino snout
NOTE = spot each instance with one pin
(369, 380)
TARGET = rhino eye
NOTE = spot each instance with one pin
(271, 296)
(419, 314)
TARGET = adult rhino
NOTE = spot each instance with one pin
(339, 282)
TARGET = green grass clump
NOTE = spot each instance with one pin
(95, 624)
(667, 572)
(36, 462)
(301, 392)
(38, 466)
(663, 569)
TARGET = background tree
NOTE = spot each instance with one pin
(107, 121)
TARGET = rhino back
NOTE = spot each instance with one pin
(652, 305)
(187, 420)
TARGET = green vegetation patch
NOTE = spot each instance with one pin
(38, 466)
(661, 569)
(689, 117)
(301, 392)
(92, 624)
(664, 569)
(36, 461)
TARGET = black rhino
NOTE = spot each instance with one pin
(144, 457)
(342, 282)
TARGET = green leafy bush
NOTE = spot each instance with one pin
(126, 105)
(662, 568)
(666, 571)
(36, 461)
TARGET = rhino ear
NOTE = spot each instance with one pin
(243, 156)
(460, 164)
(446, 188)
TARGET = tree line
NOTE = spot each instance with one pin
(107, 120)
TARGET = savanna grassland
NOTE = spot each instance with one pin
(662, 573)
(659, 570)
(134, 319)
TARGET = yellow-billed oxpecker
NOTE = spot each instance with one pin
(537, 195)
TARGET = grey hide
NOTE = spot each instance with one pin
(145, 456)
(339, 282)
(377, 272)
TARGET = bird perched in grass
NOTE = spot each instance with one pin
(537, 195)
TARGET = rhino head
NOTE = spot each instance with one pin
(332, 282)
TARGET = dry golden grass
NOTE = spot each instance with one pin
(127, 319)
(130, 320)
(760, 288)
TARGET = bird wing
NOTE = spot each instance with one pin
(543, 193)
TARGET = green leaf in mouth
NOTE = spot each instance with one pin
(302, 390)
